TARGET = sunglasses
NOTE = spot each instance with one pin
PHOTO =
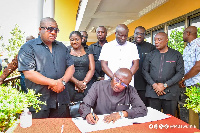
(51, 29)
(119, 81)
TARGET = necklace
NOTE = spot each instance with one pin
(78, 54)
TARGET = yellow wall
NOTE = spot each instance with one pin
(89, 43)
(65, 15)
(170, 10)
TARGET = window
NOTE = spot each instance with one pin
(195, 21)
(148, 38)
(175, 35)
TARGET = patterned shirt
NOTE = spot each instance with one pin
(191, 54)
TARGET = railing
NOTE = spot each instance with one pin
(14, 80)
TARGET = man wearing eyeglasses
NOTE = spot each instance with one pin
(119, 53)
(115, 97)
(47, 66)
(143, 49)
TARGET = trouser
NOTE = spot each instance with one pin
(184, 112)
(168, 106)
(61, 111)
(141, 93)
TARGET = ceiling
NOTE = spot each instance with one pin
(110, 13)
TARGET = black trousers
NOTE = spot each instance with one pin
(141, 93)
(61, 111)
(168, 106)
(184, 112)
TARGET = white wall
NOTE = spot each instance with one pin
(25, 13)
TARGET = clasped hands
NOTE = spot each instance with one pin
(159, 88)
(80, 86)
(57, 86)
(107, 119)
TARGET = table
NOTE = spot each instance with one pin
(53, 125)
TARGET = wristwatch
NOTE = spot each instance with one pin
(165, 85)
(63, 82)
(121, 114)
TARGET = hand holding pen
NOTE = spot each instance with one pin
(92, 118)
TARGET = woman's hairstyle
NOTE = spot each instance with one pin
(75, 32)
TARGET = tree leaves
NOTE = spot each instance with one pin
(13, 102)
(193, 100)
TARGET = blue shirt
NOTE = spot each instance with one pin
(191, 54)
(35, 55)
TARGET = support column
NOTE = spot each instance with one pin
(49, 8)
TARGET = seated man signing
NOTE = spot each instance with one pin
(113, 97)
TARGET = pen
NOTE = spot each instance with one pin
(62, 128)
(93, 114)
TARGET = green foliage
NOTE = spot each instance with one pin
(15, 42)
(2, 46)
(176, 40)
(13, 102)
(198, 32)
(193, 100)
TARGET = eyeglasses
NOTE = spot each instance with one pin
(51, 29)
(141, 34)
(119, 81)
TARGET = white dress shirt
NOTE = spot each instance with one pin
(119, 56)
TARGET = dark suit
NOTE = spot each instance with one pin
(139, 82)
(163, 68)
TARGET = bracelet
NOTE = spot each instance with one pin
(183, 79)
(85, 81)
(121, 114)
(64, 83)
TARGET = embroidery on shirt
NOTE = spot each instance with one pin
(170, 61)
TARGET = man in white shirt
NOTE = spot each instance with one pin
(119, 53)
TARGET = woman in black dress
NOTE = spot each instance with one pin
(84, 69)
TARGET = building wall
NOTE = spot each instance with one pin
(65, 15)
(22, 13)
(170, 10)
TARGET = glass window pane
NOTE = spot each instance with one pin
(196, 22)
(148, 38)
(175, 35)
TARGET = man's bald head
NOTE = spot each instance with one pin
(161, 40)
(192, 30)
(125, 74)
(121, 34)
(122, 27)
(163, 34)
(45, 20)
(190, 33)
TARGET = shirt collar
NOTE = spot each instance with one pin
(39, 41)
(116, 43)
(97, 43)
(194, 41)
